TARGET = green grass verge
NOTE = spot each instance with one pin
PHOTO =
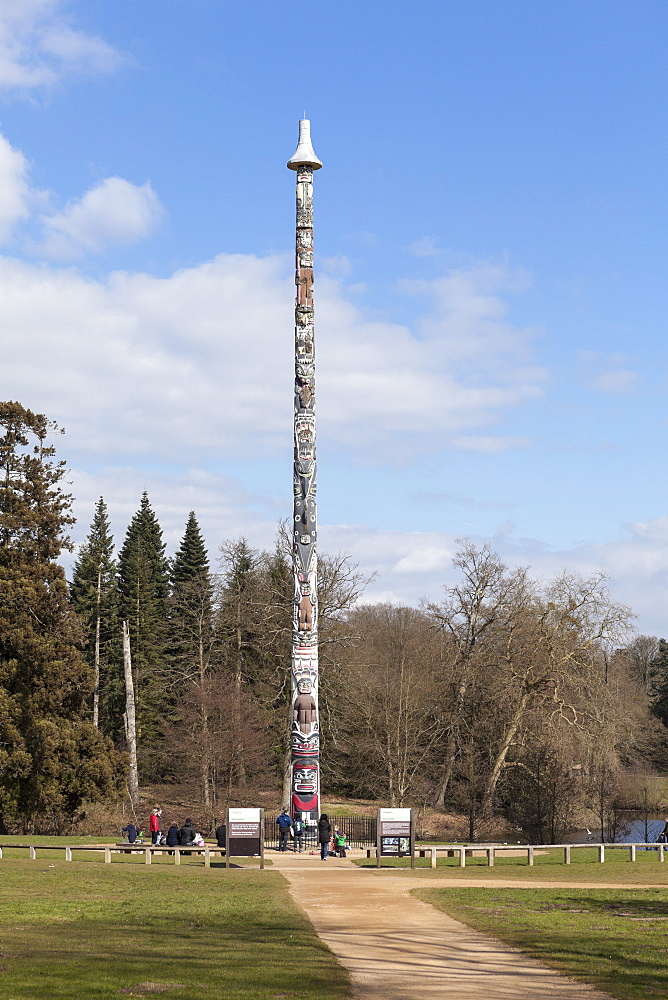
(76, 931)
(584, 867)
(616, 940)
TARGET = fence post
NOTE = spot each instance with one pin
(32, 853)
(433, 857)
(107, 855)
(462, 857)
(68, 853)
(660, 852)
(207, 858)
(147, 855)
(1, 854)
(601, 853)
(177, 856)
(530, 855)
(567, 855)
(632, 852)
(490, 857)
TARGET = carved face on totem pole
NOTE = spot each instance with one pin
(305, 786)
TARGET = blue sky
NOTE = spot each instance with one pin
(490, 271)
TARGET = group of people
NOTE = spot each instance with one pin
(175, 836)
(328, 839)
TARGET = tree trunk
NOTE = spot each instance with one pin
(287, 779)
(501, 755)
(451, 744)
(130, 718)
(204, 762)
(238, 683)
(96, 688)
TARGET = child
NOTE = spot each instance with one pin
(339, 842)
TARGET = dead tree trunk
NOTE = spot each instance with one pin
(130, 718)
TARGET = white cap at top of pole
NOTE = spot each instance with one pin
(303, 155)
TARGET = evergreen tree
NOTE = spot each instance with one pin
(192, 648)
(658, 684)
(191, 605)
(191, 560)
(51, 757)
(143, 583)
(95, 597)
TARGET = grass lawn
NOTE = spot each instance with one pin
(79, 931)
(617, 940)
(584, 867)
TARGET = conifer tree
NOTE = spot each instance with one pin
(95, 598)
(659, 683)
(192, 643)
(143, 583)
(191, 605)
(191, 561)
(51, 757)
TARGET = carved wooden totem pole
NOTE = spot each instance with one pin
(305, 724)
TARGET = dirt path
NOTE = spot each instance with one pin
(399, 948)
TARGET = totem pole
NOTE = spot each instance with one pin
(305, 725)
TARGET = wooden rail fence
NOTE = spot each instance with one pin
(492, 851)
(147, 851)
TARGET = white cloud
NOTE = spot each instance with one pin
(619, 382)
(412, 565)
(425, 247)
(200, 362)
(114, 212)
(39, 46)
(222, 504)
(489, 445)
(14, 190)
(393, 388)
(607, 372)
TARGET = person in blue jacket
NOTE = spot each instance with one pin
(173, 835)
(284, 826)
(131, 831)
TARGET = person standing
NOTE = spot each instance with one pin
(284, 824)
(155, 824)
(298, 831)
(324, 835)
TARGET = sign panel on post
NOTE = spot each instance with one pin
(395, 833)
(245, 834)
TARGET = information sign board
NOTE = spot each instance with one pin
(245, 833)
(395, 834)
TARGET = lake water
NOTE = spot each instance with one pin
(633, 833)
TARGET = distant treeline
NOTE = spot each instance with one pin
(509, 696)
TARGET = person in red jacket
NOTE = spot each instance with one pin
(155, 824)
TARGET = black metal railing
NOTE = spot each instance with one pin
(359, 831)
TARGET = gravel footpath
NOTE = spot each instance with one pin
(397, 947)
